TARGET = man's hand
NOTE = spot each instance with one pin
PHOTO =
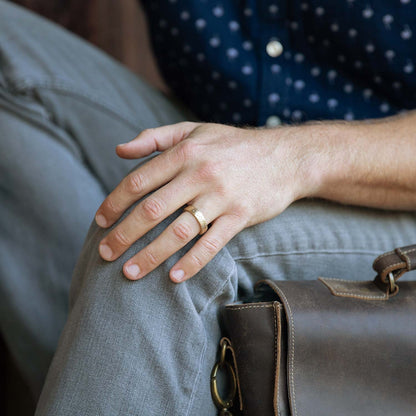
(236, 177)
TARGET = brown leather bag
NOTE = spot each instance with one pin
(328, 347)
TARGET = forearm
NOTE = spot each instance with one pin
(369, 163)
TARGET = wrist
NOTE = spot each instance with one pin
(313, 155)
(320, 156)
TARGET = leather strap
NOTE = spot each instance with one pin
(397, 262)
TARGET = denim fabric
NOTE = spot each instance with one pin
(147, 347)
(127, 348)
(64, 106)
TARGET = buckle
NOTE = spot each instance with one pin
(393, 288)
(223, 404)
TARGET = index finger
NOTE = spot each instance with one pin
(152, 175)
(156, 139)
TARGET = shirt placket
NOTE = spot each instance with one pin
(274, 68)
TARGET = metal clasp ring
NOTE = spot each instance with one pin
(223, 404)
(392, 282)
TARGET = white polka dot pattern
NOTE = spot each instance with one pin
(347, 59)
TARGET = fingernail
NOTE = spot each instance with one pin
(133, 270)
(178, 275)
(100, 220)
(105, 251)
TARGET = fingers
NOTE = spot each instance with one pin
(172, 239)
(155, 139)
(206, 248)
(176, 178)
(152, 175)
(146, 215)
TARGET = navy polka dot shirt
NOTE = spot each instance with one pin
(264, 62)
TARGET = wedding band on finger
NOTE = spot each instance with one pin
(199, 216)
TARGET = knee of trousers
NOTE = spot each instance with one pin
(152, 335)
(216, 282)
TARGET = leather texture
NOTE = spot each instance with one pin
(255, 331)
(397, 262)
(326, 347)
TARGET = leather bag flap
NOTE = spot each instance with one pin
(350, 349)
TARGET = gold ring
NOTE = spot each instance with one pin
(199, 216)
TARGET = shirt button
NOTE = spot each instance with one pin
(274, 48)
(273, 121)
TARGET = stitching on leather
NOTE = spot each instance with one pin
(275, 355)
(353, 295)
(398, 252)
(349, 294)
(407, 259)
(409, 251)
(383, 255)
(292, 355)
(277, 358)
(280, 356)
(391, 266)
(235, 308)
(341, 280)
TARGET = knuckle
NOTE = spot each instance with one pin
(188, 125)
(152, 209)
(121, 238)
(197, 261)
(211, 246)
(221, 190)
(150, 257)
(187, 150)
(135, 183)
(148, 131)
(208, 171)
(110, 206)
(241, 211)
(182, 231)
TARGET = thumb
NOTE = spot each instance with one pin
(156, 139)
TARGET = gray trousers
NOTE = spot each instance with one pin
(125, 348)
